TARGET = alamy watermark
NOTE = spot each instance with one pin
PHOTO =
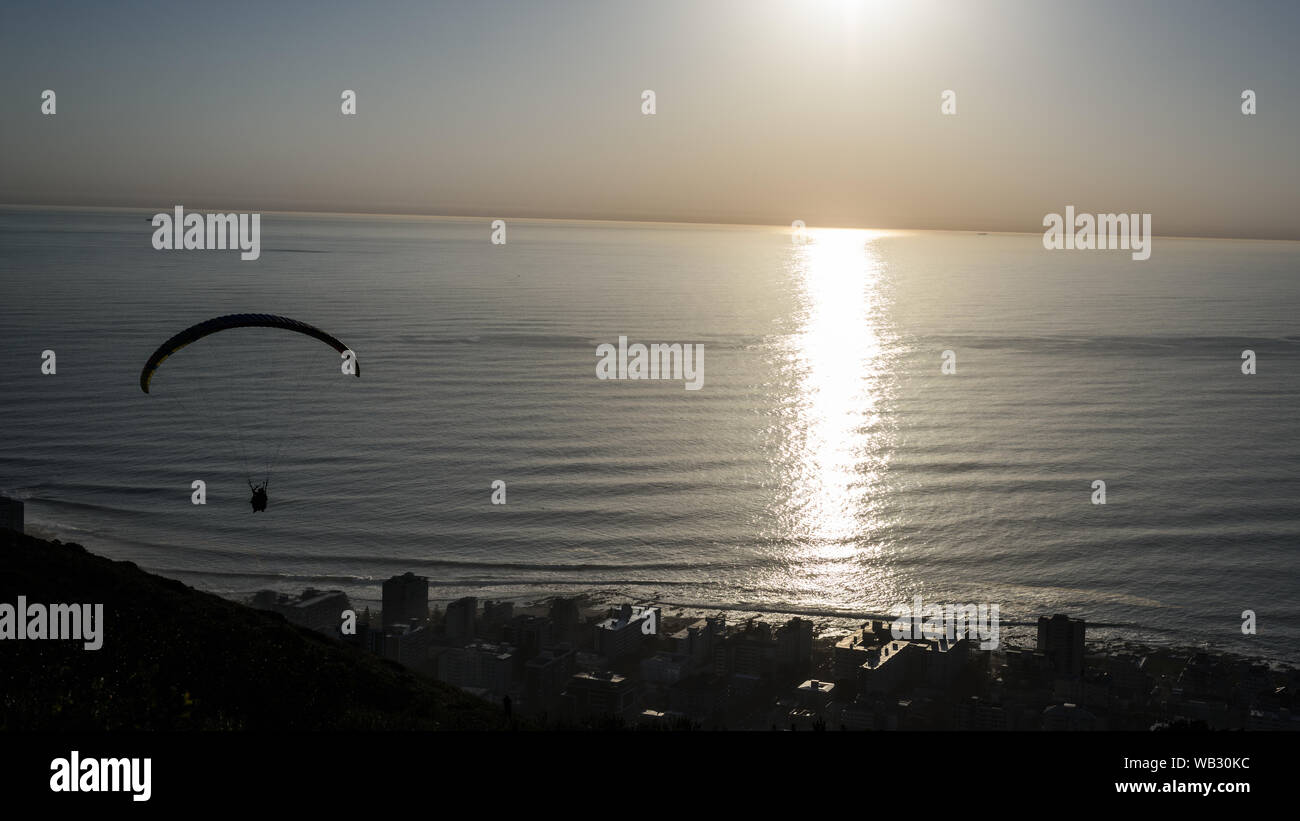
(191, 232)
(977, 622)
(655, 361)
(1086, 232)
(53, 622)
(77, 774)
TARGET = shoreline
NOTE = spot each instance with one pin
(828, 624)
(1067, 683)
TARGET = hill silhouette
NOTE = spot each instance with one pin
(174, 658)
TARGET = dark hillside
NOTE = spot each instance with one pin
(177, 659)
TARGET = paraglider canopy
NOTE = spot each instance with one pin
(253, 391)
(222, 323)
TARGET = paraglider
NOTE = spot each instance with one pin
(258, 482)
(259, 497)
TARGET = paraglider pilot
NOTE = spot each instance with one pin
(259, 497)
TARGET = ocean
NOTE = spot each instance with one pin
(827, 467)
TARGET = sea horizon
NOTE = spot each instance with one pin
(507, 215)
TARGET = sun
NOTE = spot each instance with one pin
(855, 11)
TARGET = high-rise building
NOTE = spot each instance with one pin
(408, 644)
(794, 649)
(545, 677)
(11, 514)
(1060, 638)
(478, 666)
(530, 634)
(815, 695)
(624, 633)
(462, 619)
(697, 641)
(752, 651)
(851, 652)
(602, 695)
(497, 613)
(888, 667)
(406, 598)
(565, 615)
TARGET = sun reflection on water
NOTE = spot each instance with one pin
(835, 437)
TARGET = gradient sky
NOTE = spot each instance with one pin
(768, 111)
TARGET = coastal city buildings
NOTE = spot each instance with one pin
(564, 664)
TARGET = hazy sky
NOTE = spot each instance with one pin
(767, 110)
